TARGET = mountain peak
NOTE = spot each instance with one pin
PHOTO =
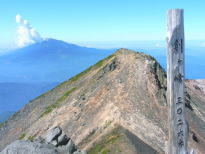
(126, 90)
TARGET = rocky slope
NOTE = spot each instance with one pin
(116, 106)
(54, 142)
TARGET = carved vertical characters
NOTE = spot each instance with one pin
(176, 45)
(179, 100)
(175, 73)
(179, 122)
(179, 111)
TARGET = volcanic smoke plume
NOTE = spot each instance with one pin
(26, 34)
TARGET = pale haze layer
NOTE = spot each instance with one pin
(26, 34)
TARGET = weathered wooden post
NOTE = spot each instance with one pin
(175, 83)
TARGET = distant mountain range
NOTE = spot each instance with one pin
(48, 61)
(30, 71)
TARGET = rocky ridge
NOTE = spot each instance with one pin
(99, 108)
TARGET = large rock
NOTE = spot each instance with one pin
(53, 134)
(54, 142)
(59, 139)
(28, 147)
(69, 148)
(79, 152)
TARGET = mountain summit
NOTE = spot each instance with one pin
(117, 105)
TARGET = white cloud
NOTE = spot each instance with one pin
(26, 34)
(18, 18)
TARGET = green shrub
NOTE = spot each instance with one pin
(66, 94)
(31, 138)
(97, 65)
(1, 125)
(103, 146)
(50, 108)
(106, 151)
(21, 137)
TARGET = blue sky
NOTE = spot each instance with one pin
(98, 22)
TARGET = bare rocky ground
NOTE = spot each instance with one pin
(54, 142)
(116, 106)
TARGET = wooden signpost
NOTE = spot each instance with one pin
(175, 83)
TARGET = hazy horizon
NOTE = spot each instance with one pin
(98, 24)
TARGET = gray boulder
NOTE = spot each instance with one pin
(54, 142)
(53, 134)
(56, 137)
(80, 152)
(59, 139)
(27, 147)
(62, 139)
(69, 147)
